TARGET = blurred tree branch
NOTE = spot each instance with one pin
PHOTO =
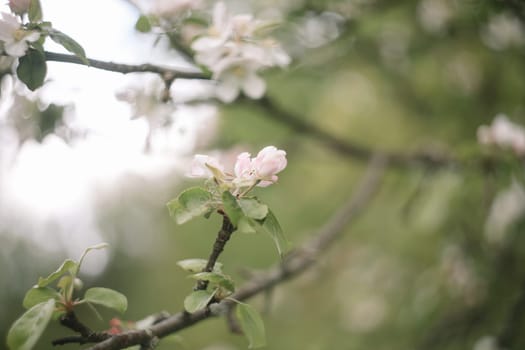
(292, 265)
(277, 113)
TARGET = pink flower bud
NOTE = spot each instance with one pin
(19, 7)
(269, 162)
(243, 165)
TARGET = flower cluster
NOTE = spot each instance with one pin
(248, 172)
(235, 50)
(503, 133)
(14, 39)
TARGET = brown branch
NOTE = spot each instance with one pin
(294, 263)
(70, 320)
(345, 148)
(164, 72)
(222, 238)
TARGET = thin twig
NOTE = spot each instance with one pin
(295, 263)
(70, 320)
(222, 238)
(165, 72)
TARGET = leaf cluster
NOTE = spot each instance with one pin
(32, 67)
(45, 302)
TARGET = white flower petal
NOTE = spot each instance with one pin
(228, 90)
(254, 86)
(16, 49)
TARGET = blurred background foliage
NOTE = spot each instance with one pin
(435, 262)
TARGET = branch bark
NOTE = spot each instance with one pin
(222, 238)
(164, 72)
(293, 264)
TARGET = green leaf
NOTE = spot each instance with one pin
(193, 202)
(37, 295)
(252, 208)
(232, 208)
(35, 11)
(32, 69)
(69, 44)
(143, 24)
(218, 279)
(24, 333)
(197, 265)
(108, 298)
(102, 245)
(67, 266)
(247, 225)
(252, 325)
(271, 226)
(198, 300)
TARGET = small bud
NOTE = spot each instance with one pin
(19, 7)
(78, 284)
(115, 322)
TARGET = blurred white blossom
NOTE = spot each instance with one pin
(318, 30)
(503, 31)
(486, 342)
(434, 15)
(14, 38)
(503, 133)
(460, 278)
(173, 8)
(507, 207)
(235, 49)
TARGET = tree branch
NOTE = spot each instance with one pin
(345, 148)
(293, 264)
(165, 73)
(222, 238)
(70, 320)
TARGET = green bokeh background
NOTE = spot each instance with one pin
(415, 269)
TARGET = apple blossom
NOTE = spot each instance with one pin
(235, 51)
(14, 37)
(503, 133)
(19, 7)
(247, 171)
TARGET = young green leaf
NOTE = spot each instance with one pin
(87, 250)
(35, 11)
(143, 24)
(252, 208)
(197, 265)
(232, 208)
(69, 44)
(32, 69)
(252, 325)
(37, 295)
(271, 226)
(215, 278)
(198, 300)
(247, 225)
(193, 202)
(67, 266)
(108, 298)
(24, 333)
